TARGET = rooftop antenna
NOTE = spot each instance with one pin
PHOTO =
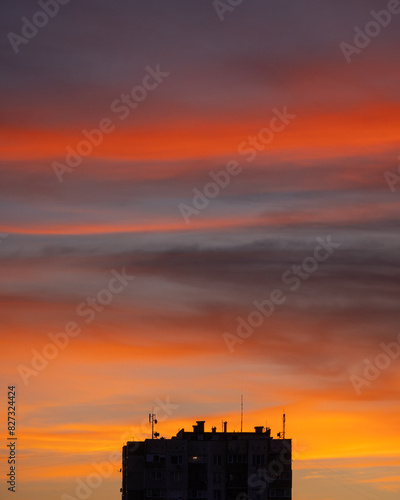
(241, 413)
(152, 421)
(283, 433)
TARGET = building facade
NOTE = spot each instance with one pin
(208, 465)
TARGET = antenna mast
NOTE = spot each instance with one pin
(152, 421)
(241, 413)
(282, 434)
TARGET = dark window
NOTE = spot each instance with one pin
(155, 493)
(217, 459)
(156, 475)
(217, 477)
(176, 459)
(237, 458)
(258, 459)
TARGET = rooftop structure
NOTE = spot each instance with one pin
(209, 465)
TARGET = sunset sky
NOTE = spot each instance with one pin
(161, 341)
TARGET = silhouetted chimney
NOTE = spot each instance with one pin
(225, 426)
(259, 429)
(200, 426)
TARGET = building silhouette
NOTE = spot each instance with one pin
(209, 465)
